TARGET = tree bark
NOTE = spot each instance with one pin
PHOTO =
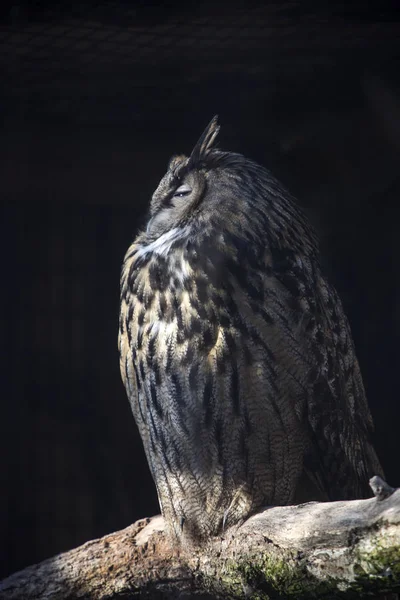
(323, 550)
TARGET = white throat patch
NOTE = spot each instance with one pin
(162, 245)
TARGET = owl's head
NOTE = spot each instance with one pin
(214, 190)
(193, 184)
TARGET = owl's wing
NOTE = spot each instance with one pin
(300, 336)
(340, 458)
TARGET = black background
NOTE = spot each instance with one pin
(95, 98)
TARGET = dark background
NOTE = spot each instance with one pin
(94, 99)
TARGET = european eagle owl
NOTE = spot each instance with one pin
(235, 352)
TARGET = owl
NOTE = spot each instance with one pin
(235, 352)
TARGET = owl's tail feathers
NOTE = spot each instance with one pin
(372, 467)
(329, 476)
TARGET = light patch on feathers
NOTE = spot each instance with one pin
(180, 268)
(163, 329)
(162, 245)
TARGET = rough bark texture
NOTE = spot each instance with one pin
(324, 550)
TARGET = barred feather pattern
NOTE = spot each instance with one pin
(236, 355)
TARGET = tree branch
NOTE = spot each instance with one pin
(315, 549)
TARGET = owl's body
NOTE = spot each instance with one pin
(235, 352)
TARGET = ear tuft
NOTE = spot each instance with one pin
(205, 143)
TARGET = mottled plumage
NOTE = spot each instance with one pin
(235, 352)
